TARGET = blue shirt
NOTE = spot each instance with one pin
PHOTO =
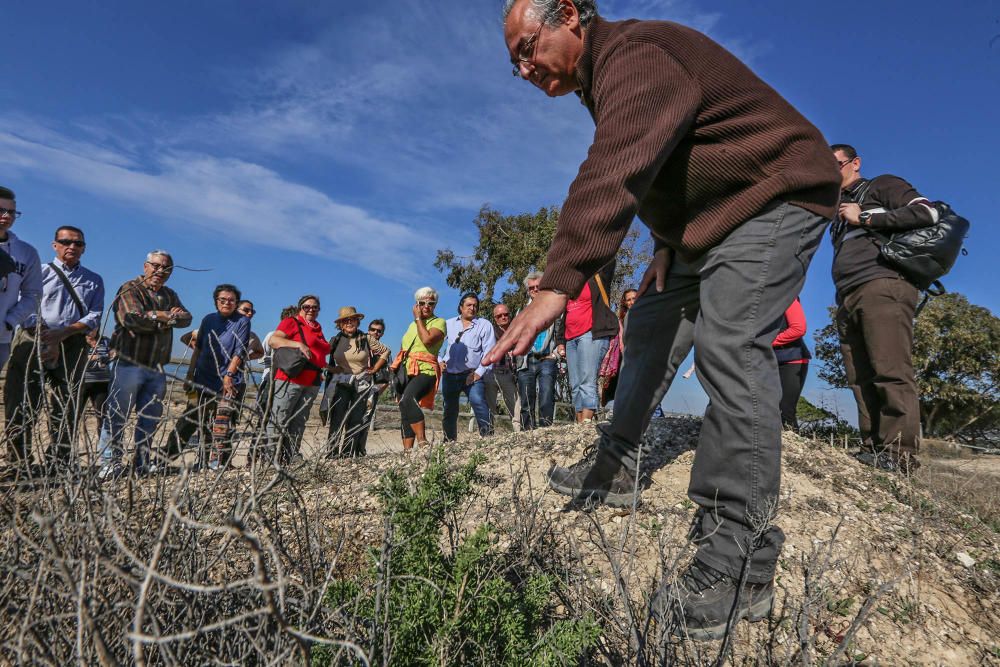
(219, 340)
(466, 347)
(58, 308)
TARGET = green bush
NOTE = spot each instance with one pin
(427, 600)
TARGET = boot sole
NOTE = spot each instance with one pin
(756, 612)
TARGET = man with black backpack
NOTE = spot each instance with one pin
(876, 305)
(51, 349)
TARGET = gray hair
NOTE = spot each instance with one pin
(548, 10)
(428, 293)
(158, 253)
(534, 275)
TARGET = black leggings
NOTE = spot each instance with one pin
(417, 388)
(793, 378)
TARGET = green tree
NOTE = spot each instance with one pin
(511, 246)
(956, 357)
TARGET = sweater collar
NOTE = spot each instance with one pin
(594, 38)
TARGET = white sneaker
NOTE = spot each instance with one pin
(112, 470)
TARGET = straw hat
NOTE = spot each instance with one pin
(348, 312)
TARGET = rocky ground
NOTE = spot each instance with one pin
(920, 573)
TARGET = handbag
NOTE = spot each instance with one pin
(925, 254)
(290, 360)
(398, 368)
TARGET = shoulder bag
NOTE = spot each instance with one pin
(290, 360)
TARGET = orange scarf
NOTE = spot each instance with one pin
(413, 369)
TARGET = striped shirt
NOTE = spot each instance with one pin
(137, 338)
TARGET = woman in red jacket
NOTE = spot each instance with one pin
(793, 362)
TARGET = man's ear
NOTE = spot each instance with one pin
(569, 14)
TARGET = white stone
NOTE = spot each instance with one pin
(965, 559)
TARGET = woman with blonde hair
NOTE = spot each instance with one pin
(418, 354)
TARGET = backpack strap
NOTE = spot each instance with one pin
(604, 292)
(69, 288)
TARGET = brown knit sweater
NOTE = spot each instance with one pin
(688, 139)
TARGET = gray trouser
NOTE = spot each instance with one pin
(289, 413)
(739, 290)
(503, 382)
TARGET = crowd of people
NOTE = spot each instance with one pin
(738, 190)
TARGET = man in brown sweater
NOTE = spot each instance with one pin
(730, 177)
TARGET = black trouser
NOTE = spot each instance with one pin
(347, 416)
(97, 394)
(793, 378)
(409, 409)
(23, 395)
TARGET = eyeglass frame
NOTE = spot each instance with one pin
(14, 214)
(161, 268)
(76, 243)
(526, 60)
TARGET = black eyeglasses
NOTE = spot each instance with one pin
(503, 315)
(71, 242)
(248, 311)
(225, 299)
(376, 330)
(840, 164)
(161, 268)
(310, 306)
(9, 211)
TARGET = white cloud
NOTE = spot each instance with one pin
(236, 198)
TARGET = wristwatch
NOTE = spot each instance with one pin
(865, 219)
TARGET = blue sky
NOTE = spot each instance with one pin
(301, 147)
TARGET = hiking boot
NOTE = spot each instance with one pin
(699, 603)
(903, 464)
(606, 480)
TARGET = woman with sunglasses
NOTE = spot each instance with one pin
(293, 397)
(418, 352)
(355, 358)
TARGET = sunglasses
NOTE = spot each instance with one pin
(310, 306)
(376, 330)
(161, 268)
(425, 304)
(248, 311)
(71, 242)
(503, 314)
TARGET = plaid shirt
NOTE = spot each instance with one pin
(138, 339)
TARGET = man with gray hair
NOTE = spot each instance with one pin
(146, 313)
(737, 183)
(536, 370)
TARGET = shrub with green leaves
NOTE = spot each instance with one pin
(432, 596)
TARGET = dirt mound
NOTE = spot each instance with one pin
(918, 573)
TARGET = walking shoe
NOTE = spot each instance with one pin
(904, 464)
(110, 471)
(698, 604)
(606, 480)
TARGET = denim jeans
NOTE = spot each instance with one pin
(583, 359)
(452, 386)
(540, 374)
(138, 387)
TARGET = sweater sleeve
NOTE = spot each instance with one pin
(644, 102)
(31, 292)
(796, 318)
(904, 207)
